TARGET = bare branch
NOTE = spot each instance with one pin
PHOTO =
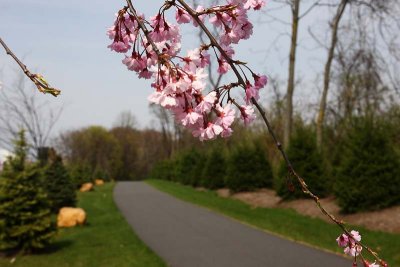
(37, 79)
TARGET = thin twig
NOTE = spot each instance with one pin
(37, 79)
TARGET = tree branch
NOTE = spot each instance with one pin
(278, 144)
(37, 79)
(241, 81)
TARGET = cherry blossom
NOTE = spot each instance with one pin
(260, 81)
(182, 16)
(206, 102)
(152, 50)
(180, 81)
(367, 264)
(256, 4)
(353, 250)
(247, 114)
(342, 240)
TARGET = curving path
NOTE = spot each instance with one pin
(185, 235)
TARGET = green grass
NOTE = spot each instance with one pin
(106, 241)
(285, 222)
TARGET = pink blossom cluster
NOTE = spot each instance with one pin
(353, 248)
(350, 245)
(180, 81)
(231, 20)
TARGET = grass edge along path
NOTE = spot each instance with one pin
(106, 241)
(286, 223)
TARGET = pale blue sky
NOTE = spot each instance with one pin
(66, 42)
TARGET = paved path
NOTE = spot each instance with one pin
(185, 235)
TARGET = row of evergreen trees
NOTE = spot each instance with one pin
(30, 193)
(244, 168)
(363, 172)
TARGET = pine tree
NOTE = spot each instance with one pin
(248, 169)
(163, 170)
(25, 217)
(189, 167)
(368, 177)
(58, 185)
(307, 162)
(80, 174)
(214, 170)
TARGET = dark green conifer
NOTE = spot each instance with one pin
(25, 218)
(58, 185)
(248, 169)
(214, 170)
(368, 177)
(307, 162)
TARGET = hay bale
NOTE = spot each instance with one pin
(70, 217)
(86, 187)
(99, 182)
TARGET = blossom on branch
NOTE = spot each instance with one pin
(180, 81)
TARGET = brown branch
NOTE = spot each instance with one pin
(231, 62)
(37, 79)
(278, 144)
(144, 28)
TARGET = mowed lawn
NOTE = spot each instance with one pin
(106, 241)
(285, 222)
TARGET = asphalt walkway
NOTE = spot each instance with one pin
(186, 235)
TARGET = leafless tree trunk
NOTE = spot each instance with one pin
(295, 6)
(327, 71)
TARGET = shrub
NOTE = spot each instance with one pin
(307, 162)
(25, 217)
(80, 174)
(163, 170)
(101, 174)
(248, 169)
(214, 170)
(189, 167)
(368, 177)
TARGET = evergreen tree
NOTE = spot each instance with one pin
(80, 174)
(25, 217)
(307, 162)
(163, 170)
(101, 174)
(214, 170)
(248, 169)
(58, 185)
(189, 167)
(368, 177)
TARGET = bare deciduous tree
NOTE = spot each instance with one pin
(21, 108)
(126, 119)
(334, 25)
(296, 17)
(367, 20)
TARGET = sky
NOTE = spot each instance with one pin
(66, 42)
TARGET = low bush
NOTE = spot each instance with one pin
(80, 174)
(307, 162)
(214, 170)
(163, 170)
(368, 177)
(248, 169)
(189, 166)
